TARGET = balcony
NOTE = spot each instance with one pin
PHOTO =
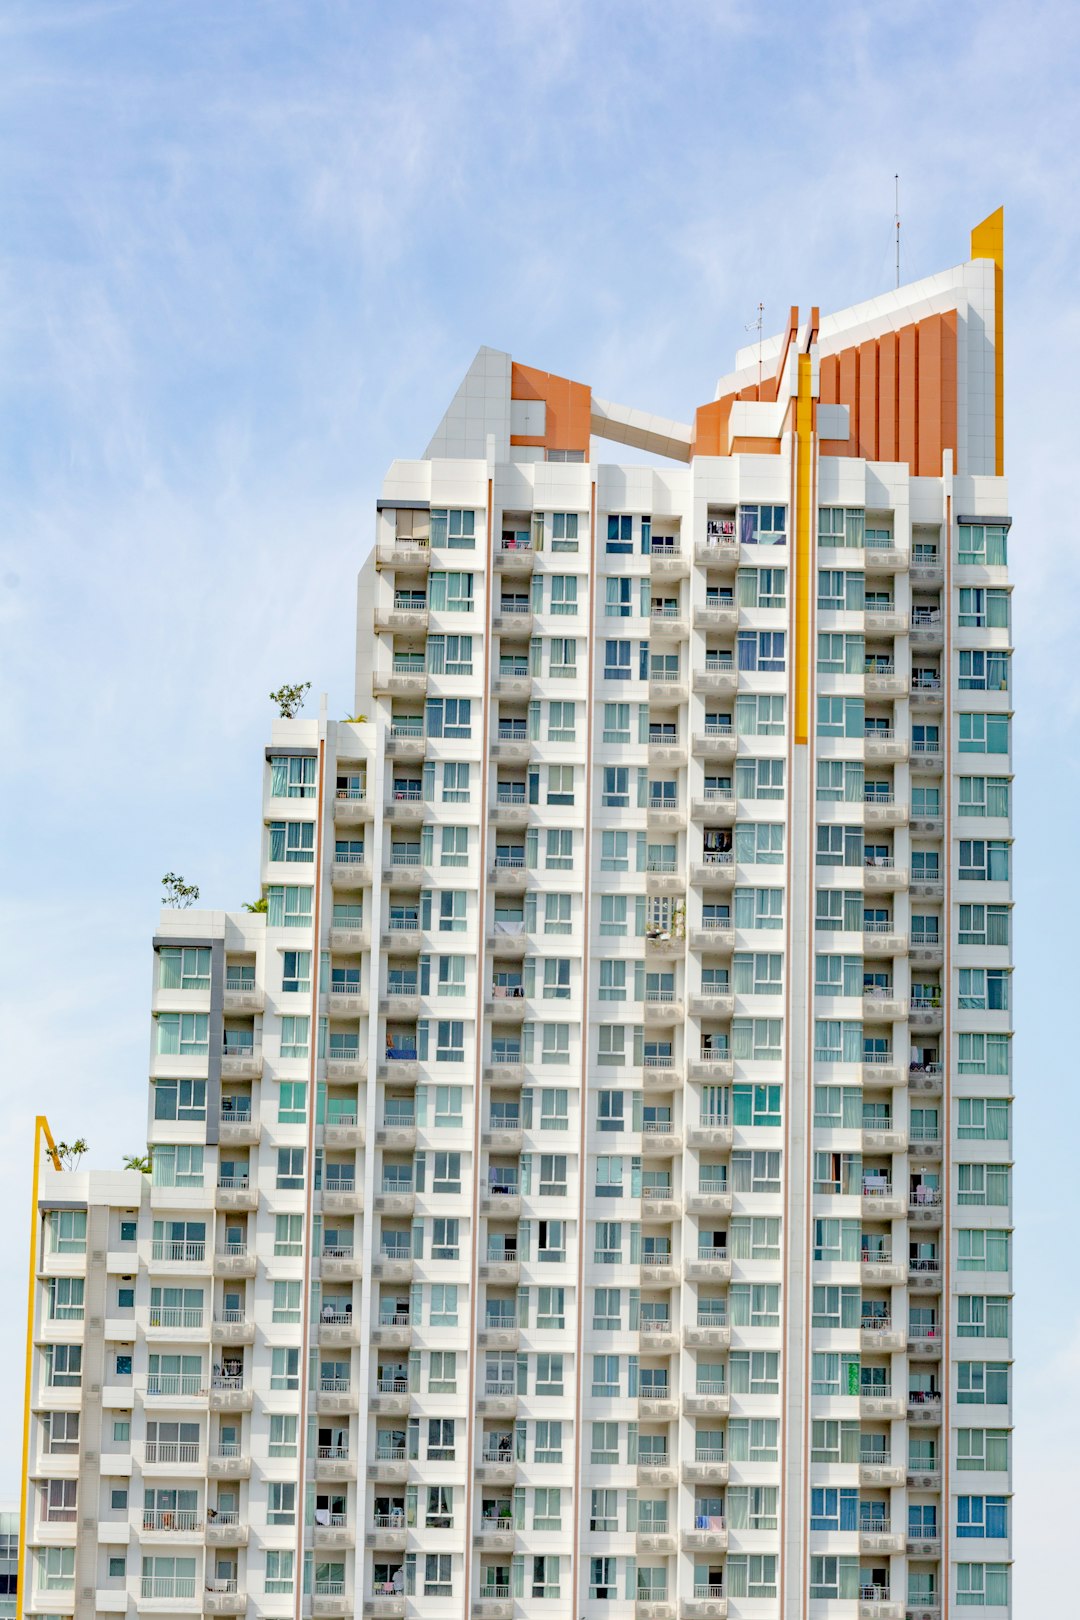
(495, 1465)
(229, 1393)
(882, 744)
(495, 1534)
(405, 807)
(666, 748)
(333, 1465)
(235, 1193)
(881, 875)
(881, 1201)
(224, 1597)
(658, 1268)
(885, 619)
(337, 1535)
(926, 1079)
(924, 1341)
(346, 1000)
(497, 1400)
(712, 1131)
(342, 1198)
(707, 1603)
(718, 937)
(716, 615)
(172, 1522)
(407, 612)
(927, 754)
(711, 1330)
(882, 680)
(927, 949)
(880, 940)
(880, 809)
(926, 692)
(879, 1401)
(878, 1336)
(667, 559)
(236, 1127)
(406, 678)
(927, 1014)
(393, 1331)
(511, 746)
(499, 1333)
(511, 615)
(660, 1204)
(664, 814)
(924, 1406)
(343, 1131)
(658, 1539)
(655, 1606)
(708, 1466)
(925, 1206)
(878, 1268)
(224, 1528)
(232, 1327)
(711, 1064)
(718, 677)
(876, 1604)
(927, 629)
(657, 1335)
(391, 1464)
(509, 874)
(712, 1197)
(337, 1329)
(241, 994)
(709, 1265)
(501, 1266)
(398, 1130)
(715, 871)
(515, 555)
(168, 1453)
(344, 1062)
(660, 1139)
(352, 807)
(335, 1397)
(493, 1603)
(404, 552)
(880, 1068)
(878, 1468)
(883, 1138)
(501, 1199)
(709, 1535)
(925, 1275)
(660, 1406)
(923, 1541)
(330, 1599)
(341, 1264)
(351, 871)
(878, 1536)
(241, 1060)
(393, 1265)
(712, 1003)
(657, 1469)
(392, 1397)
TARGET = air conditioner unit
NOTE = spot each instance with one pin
(96, 1323)
(88, 1593)
(713, 1406)
(93, 1389)
(926, 1481)
(97, 1254)
(89, 1456)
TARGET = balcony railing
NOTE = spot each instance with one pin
(191, 1250)
(168, 1586)
(354, 793)
(703, 1593)
(712, 1254)
(654, 1459)
(172, 1451)
(172, 1519)
(875, 1459)
(176, 1384)
(712, 1319)
(175, 1316)
(335, 1386)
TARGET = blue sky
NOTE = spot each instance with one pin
(248, 252)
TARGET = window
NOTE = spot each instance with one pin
(455, 783)
(840, 591)
(446, 1175)
(762, 587)
(290, 1168)
(62, 1432)
(183, 1034)
(759, 908)
(840, 526)
(762, 525)
(296, 972)
(279, 1570)
(619, 534)
(288, 1234)
(283, 1434)
(983, 1054)
(982, 1517)
(982, 1585)
(444, 1305)
(547, 1446)
(982, 1383)
(286, 1306)
(840, 780)
(292, 778)
(615, 791)
(292, 1102)
(449, 718)
(184, 967)
(56, 1569)
(840, 717)
(834, 1509)
(983, 860)
(983, 733)
(280, 1502)
(63, 1365)
(67, 1231)
(751, 1575)
(982, 1449)
(294, 1035)
(292, 841)
(454, 530)
(982, 545)
(984, 671)
(762, 650)
(450, 592)
(982, 1119)
(284, 1369)
(562, 722)
(982, 1250)
(617, 661)
(981, 1316)
(442, 1372)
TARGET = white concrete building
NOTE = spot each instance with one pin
(584, 1190)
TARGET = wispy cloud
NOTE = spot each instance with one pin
(248, 254)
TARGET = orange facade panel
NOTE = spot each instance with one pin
(568, 417)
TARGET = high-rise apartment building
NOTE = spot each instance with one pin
(583, 1188)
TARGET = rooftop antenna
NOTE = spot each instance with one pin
(756, 326)
(896, 221)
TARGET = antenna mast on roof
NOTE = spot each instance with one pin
(756, 326)
(896, 221)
